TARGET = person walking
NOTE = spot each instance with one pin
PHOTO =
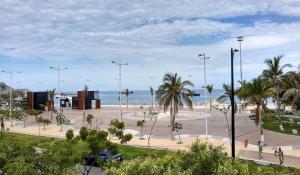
(279, 153)
(260, 149)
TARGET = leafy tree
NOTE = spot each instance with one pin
(44, 121)
(200, 159)
(89, 119)
(224, 110)
(141, 124)
(274, 73)
(20, 156)
(116, 128)
(35, 113)
(155, 115)
(127, 92)
(173, 94)
(61, 120)
(210, 88)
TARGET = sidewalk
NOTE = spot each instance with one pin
(268, 158)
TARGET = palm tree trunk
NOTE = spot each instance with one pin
(210, 101)
(152, 101)
(171, 120)
(259, 119)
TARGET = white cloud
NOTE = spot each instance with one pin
(145, 33)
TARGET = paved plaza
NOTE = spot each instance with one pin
(193, 128)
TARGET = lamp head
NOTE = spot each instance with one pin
(114, 62)
(240, 38)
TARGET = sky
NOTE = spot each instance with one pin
(153, 37)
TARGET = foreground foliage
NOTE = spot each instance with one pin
(28, 155)
(201, 159)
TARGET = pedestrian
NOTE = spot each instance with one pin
(279, 152)
(260, 149)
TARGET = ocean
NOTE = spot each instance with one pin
(143, 97)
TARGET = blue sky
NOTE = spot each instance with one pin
(154, 37)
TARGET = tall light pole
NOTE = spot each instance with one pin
(11, 73)
(202, 56)
(120, 64)
(232, 104)
(240, 39)
(58, 80)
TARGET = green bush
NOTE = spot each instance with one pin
(70, 134)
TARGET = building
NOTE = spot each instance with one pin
(84, 100)
(38, 100)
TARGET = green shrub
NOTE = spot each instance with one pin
(70, 134)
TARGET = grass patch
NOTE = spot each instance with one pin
(131, 152)
(271, 122)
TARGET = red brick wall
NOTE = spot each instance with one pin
(29, 100)
(98, 104)
(80, 97)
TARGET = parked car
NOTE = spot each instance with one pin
(92, 160)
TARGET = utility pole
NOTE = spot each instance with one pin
(120, 64)
(232, 105)
(11, 73)
(202, 56)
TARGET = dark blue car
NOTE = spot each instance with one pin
(92, 159)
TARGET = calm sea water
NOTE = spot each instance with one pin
(144, 97)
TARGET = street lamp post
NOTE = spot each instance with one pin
(240, 39)
(202, 56)
(58, 80)
(232, 105)
(120, 64)
(10, 90)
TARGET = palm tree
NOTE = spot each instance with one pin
(292, 83)
(85, 92)
(173, 94)
(227, 93)
(274, 73)
(256, 92)
(209, 89)
(51, 94)
(152, 94)
(127, 92)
